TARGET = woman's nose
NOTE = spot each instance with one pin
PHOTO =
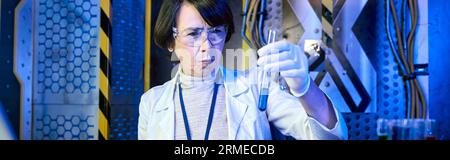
(205, 45)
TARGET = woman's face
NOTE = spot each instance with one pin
(204, 56)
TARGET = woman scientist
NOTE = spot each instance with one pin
(206, 101)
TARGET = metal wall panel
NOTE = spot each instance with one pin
(23, 58)
(66, 65)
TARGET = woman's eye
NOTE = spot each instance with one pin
(194, 34)
(217, 30)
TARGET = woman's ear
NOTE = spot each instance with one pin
(171, 47)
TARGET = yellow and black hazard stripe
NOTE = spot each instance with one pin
(327, 36)
(327, 22)
(105, 70)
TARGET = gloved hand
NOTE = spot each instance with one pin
(290, 60)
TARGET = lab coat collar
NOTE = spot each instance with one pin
(232, 83)
(166, 99)
(231, 79)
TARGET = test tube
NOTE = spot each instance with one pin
(382, 129)
(430, 129)
(264, 87)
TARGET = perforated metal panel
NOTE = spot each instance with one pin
(391, 91)
(390, 87)
(274, 14)
(66, 64)
(361, 126)
(124, 122)
(128, 51)
(127, 84)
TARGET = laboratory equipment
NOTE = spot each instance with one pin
(264, 86)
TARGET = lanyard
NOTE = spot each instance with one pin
(211, 112)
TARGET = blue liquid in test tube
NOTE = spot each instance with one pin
(264, 89)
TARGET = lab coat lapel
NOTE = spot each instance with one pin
(236, 110)
(165, 112)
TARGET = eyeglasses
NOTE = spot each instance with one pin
(194, 36)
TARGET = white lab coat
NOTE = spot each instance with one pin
(245, 121)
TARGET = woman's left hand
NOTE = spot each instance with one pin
(290, 60)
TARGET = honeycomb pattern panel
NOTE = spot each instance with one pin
(127, 64)
(66, 47)
(65, 122)
(64, 127)
(124, 127)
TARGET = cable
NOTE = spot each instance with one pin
(261, 16)
(420, 90)
(421, 111)
(404, 30)
(248, 23)
(244, 19)
(403, 38)
(391, 43)
(404, 55)
(252, 23)
(421, 94)
(411, 54)
(395, 52)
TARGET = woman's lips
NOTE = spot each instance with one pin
(207, 62)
